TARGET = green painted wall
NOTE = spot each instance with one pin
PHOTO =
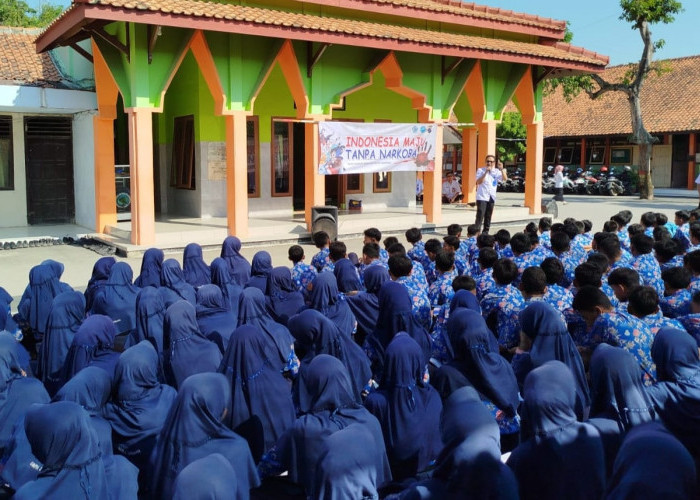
(376, 102)
(274, 100)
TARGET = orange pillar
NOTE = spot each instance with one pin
(236, 175)
(143, 223)
(469, 161)
(533, 167)
(432, 184)
(583, 153)
(692, 151)
(105, 188)
(487, 139)
(314, 183)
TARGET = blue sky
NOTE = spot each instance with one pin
(596, 26)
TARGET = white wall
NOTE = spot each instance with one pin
(84, 168)
(13, 204)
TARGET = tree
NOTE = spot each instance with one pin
(18, 13)
(511, 134)
(641, 14)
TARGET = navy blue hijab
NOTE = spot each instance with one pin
(314, 334)
(221, 277)
(64, 441)
(173, 284)
(187, 350)
(209, 478)
(35, 305)
(395, 315)
(196, 271)
(17, 391)
(93, 344)
(100, 275)
(150, 314)
(346, 276)
(476, 357)
(652, 463)
(194, 430)
(465, 299)
(365, 305)
(328, 405)
(140, 403)
(57, 268)
(66, 316)
(469, 466)
(283, 299)
(551, 341)
(347, 467)
(238, 266)
(257, 387)
(214, 320)
(259, 271)
(617, 389)
(252, 311)
(676, 395)
(407, 408)
(117, 299)
(556, 448)
(325, 298)
(6, 322)
(151, 265)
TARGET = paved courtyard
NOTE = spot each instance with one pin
(15, 264)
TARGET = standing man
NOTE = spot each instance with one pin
(486, 183)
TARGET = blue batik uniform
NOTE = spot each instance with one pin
(657, 321)
(418, 254)
(383, 255)
(649, 272)
(558, 297)
(676, 261)
(691, 323)
(302, 275)
(677, 304)
(431, 274)
(624, 238)
(484, 282)
(418, 275)
(420, 303)
(628, 332)
(683, 235)
(321, 259)
(504, 252)
(461, 265)
(546, 239)
(570, 262)
(466, 245)
(505, 302)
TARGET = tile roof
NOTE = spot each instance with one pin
(670, 103)
(19, 62)
(304, 26)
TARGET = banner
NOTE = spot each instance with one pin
(357, 148)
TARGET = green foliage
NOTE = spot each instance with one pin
(512, 129)
(18, 13)
(650, 11)
(572, 86)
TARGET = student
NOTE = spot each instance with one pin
(500, 306)
(561, 247)
(261, 266)
(556, 295)
(676, 298)
(441, 291)
(484, 278)
(237, 264)
(622, 281)
(400, 269)
(283, 300)
(417, 252)
(691, 261)
(644, 263)
(374, 235)
(522, 257)
(691, 321)
(668, 254)
(451, 245)
(214, 320)
(648, 220)
(321, 258)
(614, 328)
(644, 304)
(544, 226)
(417, 273)
(173, 284)
(365, 304)
(151, 263)
(194, 268)
(469, 243)
(118, 299)
(302, 273)
(432, 248)
(336, 251)
(683, 231)
(221, 277)
(346, 274)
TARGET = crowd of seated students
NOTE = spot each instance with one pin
(555, 362)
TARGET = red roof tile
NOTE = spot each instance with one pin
(19, 62)
(239, 18)
(670, 103)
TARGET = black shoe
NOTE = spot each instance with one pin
(13, 245)
(32, 244)
(6, 246)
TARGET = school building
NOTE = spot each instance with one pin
(592, 133)
(214, 107)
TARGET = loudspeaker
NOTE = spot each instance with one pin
(325, 218)
(550, 208)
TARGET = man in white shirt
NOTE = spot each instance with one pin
(486, 184)
(451, 190)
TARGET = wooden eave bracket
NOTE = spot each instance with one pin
(111, 40)
(313, 58)
(537, 79)
(447, 71)
(81, 51)
(153, 33)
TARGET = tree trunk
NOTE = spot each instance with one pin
(641, 137)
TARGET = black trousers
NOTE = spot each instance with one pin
(484, 210)
(559, 194)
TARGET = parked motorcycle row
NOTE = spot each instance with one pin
(605, 182)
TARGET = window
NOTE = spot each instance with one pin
(182, 172)
(354, 183)
(565, 155)
(596, 154)
(621, 155)
(550, 155)
(7, 177)
(281, 158)
(253, 156)
(382, 182)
